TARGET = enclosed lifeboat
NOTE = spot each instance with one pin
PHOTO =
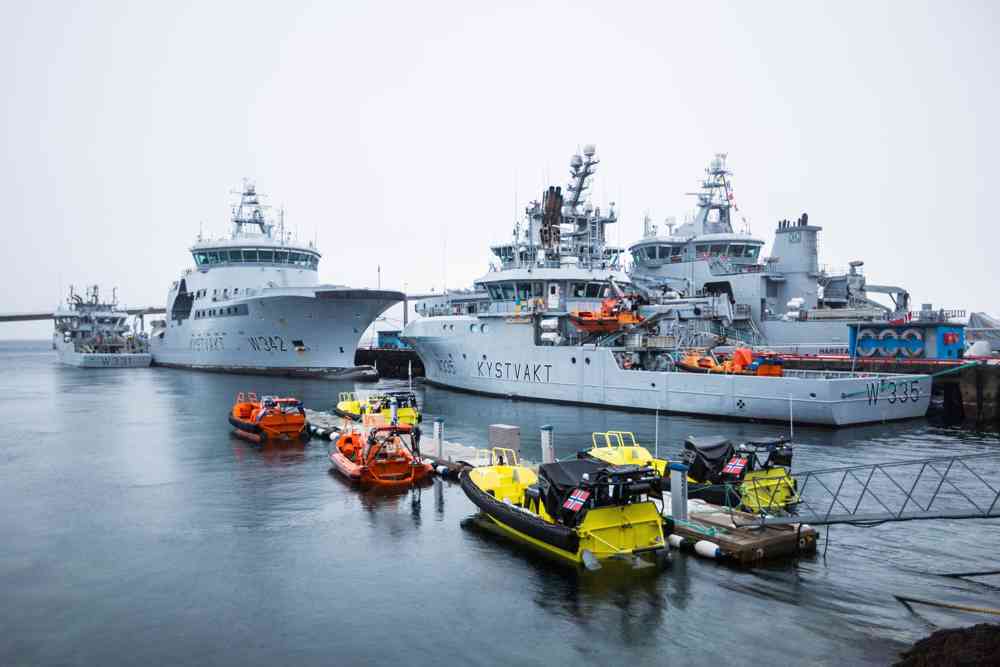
(270, 418)
(399, 404)
(385, 456)
(755, 475)
(613, 316)
(580, 510)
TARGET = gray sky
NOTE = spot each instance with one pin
(403, 134)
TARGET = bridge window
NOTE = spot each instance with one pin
(578, 290)
(593, 290)
(281, 256)
(735, 250)
(236, 256)
(752, 251)
(676, 250)
(524, 291)
(200, 258)
(718, 249)
(249, 255)
(494, 292)
(664, 251)
(701, 249)
(637, 256)
(266, 256)
(508, 291)
(650, 252)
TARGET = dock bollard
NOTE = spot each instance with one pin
(439, 436)
(548, 445)
(678, 492)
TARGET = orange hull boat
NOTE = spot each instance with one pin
(610, 318)
(268, 419)
(380, 458)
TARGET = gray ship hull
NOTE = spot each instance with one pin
(504, 360)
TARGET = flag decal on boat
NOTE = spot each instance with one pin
(735, 466)
(576, 500)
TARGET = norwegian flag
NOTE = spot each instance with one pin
(576, 500)
(735, 465)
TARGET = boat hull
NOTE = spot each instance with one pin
(293, 332)
(503, 360)
(68, 355)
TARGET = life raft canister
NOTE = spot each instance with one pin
(912, 343)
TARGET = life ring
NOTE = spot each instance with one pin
(866, 351)
(916, 350)
(888, 349)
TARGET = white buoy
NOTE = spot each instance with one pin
(707, 549)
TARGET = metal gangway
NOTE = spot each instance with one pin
(947, 487)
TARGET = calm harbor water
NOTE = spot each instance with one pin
(137, 530)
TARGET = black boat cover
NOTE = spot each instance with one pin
(568, 474)
(709, 446)
(706, 455)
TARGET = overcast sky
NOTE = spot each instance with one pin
(404, 134)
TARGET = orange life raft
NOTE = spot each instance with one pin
(383, 457)
(268, 418)
(611, 317)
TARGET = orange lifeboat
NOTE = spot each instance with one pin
(269, 418)
(387, 456)
(611, 317)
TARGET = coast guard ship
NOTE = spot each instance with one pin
(560, 320)
(253, 304)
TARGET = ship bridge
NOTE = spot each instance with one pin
(245, 252)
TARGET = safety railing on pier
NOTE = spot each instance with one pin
(949, 487)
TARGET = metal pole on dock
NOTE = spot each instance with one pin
(791, 420)
(439, 436)
(548, 445)
(656, 432)
(678, 492)
(409, 372)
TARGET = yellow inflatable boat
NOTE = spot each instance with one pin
(581, 510)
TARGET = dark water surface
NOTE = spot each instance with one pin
(136, 530)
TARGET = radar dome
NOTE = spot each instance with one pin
(589, 150)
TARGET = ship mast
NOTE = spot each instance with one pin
(250, 211)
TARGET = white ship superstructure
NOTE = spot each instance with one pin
(557, 271)
(253, 304)
(91, 333)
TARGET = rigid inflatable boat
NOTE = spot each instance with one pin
(385, 456)
(718, 472)
(351, 407)
(269, 418)
(580, 510)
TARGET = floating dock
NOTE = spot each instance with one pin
(710, 525)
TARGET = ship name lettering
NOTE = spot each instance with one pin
(514, 370)
(267, 344)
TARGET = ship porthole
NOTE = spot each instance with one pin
(652, 384)
(483, 328)
(573, 359)
(484, 356)
(586, 360)
(812, 394)
(463, 355)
